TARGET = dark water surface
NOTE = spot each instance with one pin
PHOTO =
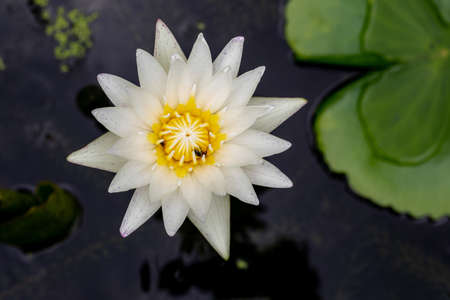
(315, 241)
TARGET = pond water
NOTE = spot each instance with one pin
(317, 240)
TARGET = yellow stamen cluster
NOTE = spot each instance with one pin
(186, 137)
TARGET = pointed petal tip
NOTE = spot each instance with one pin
(160, 23)
(297, 104)
(301, 101)
(225, 255)
(287, 183)
(71, 157)
(255, 203)
(124, 231)
(101, 77)
(94, 112)
(287, 146)
(172, 231)
(239, 39)
(75, 157)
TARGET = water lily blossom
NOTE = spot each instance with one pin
(188, 137)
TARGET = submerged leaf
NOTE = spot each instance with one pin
(13, 203)
(48, 220)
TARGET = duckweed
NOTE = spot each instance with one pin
(70, 30)
(72, 33)
(41, 3)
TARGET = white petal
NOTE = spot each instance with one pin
(244, 86)
(152, 76)
(239, 185)
(211, 178)
(213, 95)
(164, 181)
(165, 45)
(175, 210)
(95, 154)
(216, 227)
(145, 105)
(234, 121)
(176, 72)
(200, 62)
(185, 85)
(115, 88)
(133, 174)
(230, 56)
(139, 211)
(261, 143)
(135, 147)
(232, 155)
(119, 120)
(283, 108)
(268, 175)
(197, 197)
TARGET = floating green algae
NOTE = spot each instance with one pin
(41, 3)
(72, 33)
(200, 26)
(70, 30)
(42, 9)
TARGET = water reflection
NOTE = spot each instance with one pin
(145, 276)
(254, 269)
(89, 98)
(278, 270)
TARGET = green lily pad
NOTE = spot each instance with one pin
(404, 31)
(40, 220)
(329, 31)
(406, 112)
(444, 9)
(388, 132)
(14, 203)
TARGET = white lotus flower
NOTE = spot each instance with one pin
(188, 137)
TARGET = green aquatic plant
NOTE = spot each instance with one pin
(200, 26)
(34, 221)
(41, 3)
(389, 131)
(42, 9)
(71, 30)
(2, 65)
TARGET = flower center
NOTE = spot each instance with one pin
(186, 137)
